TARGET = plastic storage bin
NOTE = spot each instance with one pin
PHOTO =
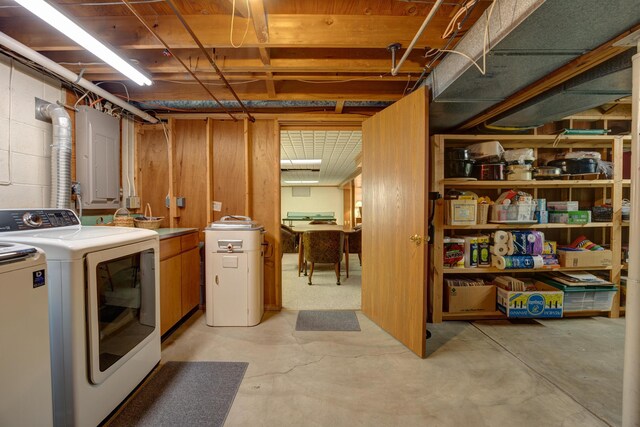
(524, 212)
(581, 298)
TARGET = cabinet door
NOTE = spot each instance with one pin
(170, 292)
(190, 280)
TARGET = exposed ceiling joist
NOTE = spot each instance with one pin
(297, 31)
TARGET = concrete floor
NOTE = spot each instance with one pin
(552, 373)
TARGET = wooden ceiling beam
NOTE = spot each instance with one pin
(375, 68)
(211, 77)
(287, 90)
(339, 106)
(285, 30)
(271, 87)
(241, 7)
(259, 17)
(265, 55)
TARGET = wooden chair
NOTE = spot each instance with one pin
(323, 246)
(288, 240)
(353, 245)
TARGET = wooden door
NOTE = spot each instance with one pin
(394, 199)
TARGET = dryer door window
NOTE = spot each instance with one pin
(122, 309)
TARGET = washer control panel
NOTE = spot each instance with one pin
(34, 219)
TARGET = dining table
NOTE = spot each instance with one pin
(300, 229)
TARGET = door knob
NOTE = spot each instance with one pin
(416, 238)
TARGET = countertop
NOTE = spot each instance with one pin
(166, 233)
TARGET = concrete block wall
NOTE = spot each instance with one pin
(25, 143)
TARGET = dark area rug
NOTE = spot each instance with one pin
(184, 394)
(327, 320)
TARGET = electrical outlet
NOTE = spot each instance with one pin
(132, 202)
(180, 202)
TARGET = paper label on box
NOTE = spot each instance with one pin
(464, 212)
(530, 304)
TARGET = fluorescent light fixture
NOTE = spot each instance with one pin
(59, 21)
(301, 182)
(300, 162)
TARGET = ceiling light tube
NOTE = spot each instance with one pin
(301, 162)
(301, 182)
(59, 21)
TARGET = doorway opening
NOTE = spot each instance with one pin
(321, 195)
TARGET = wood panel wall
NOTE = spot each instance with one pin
(229, 164)
(235, 163)
(152, 170)
(190, 173)
(264, 207)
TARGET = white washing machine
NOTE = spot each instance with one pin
(235, 272)
(103, 308)
(25, 362)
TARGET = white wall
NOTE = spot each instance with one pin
(25, 152)
(323, 199)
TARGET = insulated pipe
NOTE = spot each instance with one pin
(60, 155)
(434, 9)
(631, 372)
(70, 76)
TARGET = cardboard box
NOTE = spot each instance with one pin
(460, 212)
(585, 258)
(563, 206)
(570, 217)
(545, 302)
(470, 298)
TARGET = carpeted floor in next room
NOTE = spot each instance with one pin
(565, 372)
(324, 294)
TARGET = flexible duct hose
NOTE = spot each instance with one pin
(60, 155)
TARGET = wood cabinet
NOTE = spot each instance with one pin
(179, 278)
(586, 191)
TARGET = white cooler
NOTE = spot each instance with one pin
(235, 272)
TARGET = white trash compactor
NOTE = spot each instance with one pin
(235, 272)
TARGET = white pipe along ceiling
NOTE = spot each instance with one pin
(70, 76)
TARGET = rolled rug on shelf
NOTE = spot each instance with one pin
(518, 261)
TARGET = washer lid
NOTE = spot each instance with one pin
(12, 252)
(235, 222)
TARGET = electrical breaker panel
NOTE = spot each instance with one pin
(98, 158)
